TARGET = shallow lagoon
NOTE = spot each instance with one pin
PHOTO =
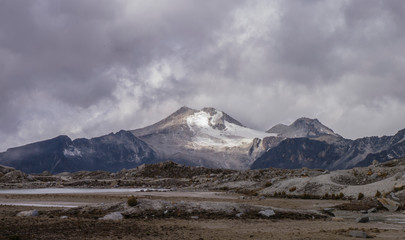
(75, 190)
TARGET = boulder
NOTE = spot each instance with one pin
(31, 213)
(363, 219)
(389, 204)
(267, 213)
(14, 176)
(116, 216)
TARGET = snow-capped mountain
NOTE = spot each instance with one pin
(207, 137)
(210, 128)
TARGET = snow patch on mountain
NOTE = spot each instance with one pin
(205, 135)
(72, 152)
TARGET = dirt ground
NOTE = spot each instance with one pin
(55, 228)
(48, 226)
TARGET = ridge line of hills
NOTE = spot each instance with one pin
(208, 138)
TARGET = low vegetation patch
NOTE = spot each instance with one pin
(132, 201)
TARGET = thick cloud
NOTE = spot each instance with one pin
(87, 68)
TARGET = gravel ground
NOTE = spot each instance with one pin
(49, 225)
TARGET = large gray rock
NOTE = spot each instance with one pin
(116, 216)
(389, 204)
(267, 213)
(31, 213)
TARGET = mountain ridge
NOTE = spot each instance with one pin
(302, 127)
(211, 138)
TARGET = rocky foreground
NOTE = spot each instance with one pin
(378, 180)
(342, 204)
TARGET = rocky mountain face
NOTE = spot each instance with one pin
(110, 152)
(209, 138)
(338, 154)
(302, 128)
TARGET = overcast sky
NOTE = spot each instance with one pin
(85, 68)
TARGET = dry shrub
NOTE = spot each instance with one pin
(132, 201)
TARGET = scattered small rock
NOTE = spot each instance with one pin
(394, 197)
(239, 215)
(113, 216)
(374, 176)
(267, 213)
(31, 213)
(372, 210)
(364, 211)
(363, 219)
(64, 217)
(358, 234)
(195, 217)
(329, 211)
(337, 219)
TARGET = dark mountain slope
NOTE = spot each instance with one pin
(110, 152)
(297, 153)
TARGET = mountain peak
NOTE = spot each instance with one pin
(302, 127)
(172, 121)
(221, 117)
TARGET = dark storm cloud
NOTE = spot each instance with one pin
(86, 68)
